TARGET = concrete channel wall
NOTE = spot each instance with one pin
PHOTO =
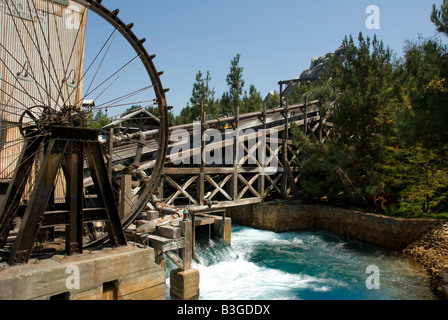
(383, 231)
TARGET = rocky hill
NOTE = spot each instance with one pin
(318, 68)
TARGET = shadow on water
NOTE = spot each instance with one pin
(262, 265)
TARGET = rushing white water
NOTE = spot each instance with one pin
(262, 265)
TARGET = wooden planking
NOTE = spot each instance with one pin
(164, 244)
(204, 220)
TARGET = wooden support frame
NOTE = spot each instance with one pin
(21, 249)
(180, 189)
(17, 186)
(246, 179)
(66, 149)
(74, 176)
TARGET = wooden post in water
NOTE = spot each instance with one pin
(186, 253)
(184, 282)
(193, 221)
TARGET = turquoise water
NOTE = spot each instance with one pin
(262, 265)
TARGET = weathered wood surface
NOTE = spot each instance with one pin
(138, 276)
(238, 180)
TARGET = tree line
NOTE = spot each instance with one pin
(247, 100)
(390, 127)
(202, 92)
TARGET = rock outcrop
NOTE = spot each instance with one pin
(319, 67)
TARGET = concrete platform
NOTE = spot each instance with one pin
(125, 273)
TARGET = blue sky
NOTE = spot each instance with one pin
(276, 39)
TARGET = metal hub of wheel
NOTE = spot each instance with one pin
(55, 73)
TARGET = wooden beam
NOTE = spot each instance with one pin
(181, 189)
(273, 184)
(218, 187)
(98, 170)
(221, 185)
(252, 189)
(200, 182)
(187, 252)
(22, 247)
(125, 195)
(247, 187)
(75, 196)
(17, 186)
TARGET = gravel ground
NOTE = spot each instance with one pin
(432, 252)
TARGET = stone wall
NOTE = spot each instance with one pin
(383, 231)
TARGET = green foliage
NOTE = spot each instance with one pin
(366, 82)
(429, 174)
(416, 176)
(251, 102)
(440, 17)
(273, 101)
(390, 127)
(321, 90)
(202, 91)
(424, 114)
(236, 84)
(299, 92)
(99, 120)
(316, 162)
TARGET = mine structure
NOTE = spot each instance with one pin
(111, 205)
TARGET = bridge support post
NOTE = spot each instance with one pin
(262, 178)
(201, 178)
(236, 155)
(285, 149)
(184, 282)
(187, 252)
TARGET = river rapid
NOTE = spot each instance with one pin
(263, 265)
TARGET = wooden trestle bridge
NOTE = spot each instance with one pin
(246, 178)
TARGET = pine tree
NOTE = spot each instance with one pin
(231, 99)
(364, 121)
(424, 115)
(252, 101)
(440, 17)
(202, 92)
